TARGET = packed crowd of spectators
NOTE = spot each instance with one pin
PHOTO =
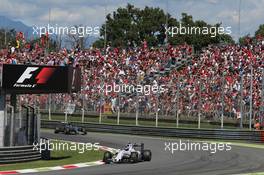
(194, 83)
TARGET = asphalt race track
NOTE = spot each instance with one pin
(238, 160)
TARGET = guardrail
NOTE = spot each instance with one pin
(254, 136)
(131, 117)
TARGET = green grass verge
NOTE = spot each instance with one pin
(141, 122)
(57, 158)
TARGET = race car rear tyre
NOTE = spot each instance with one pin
(146, 155)
(84, 131)
(107, 157)
(67, 131)
(134, 157)
(56, 130)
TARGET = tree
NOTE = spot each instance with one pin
(260, 31)
(151, 25)
(130, 26)
(99, 43)
(121, 26)
(74, 38)
(45, 42)
(8, 37)
(196, 37)
(244, 39)
(247, 39)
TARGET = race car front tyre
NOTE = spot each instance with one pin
(56, 130)
(134, 157)
(146, 156)
(107, 157)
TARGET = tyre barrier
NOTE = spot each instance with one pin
(18, 154)
(252, 136)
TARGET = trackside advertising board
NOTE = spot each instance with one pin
(35, 79)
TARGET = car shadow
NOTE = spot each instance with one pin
(60, 158)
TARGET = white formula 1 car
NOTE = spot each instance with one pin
(132, 153)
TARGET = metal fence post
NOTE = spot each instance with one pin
(100, 104)
(2, 118)
(156, 120)
(38, 115)
(100, 112)
(11, 139)
(200, 104)
(66, 116)
(20, 112)
(82, 115)
(137, 104)
(157, 108)
(262, 98)
(82, 108)
(49, 99)
(137, 109)
(12, 126)
(118, 110)
(222, 103)
(241, 100)
(251, 96)
(177, 104)
(157, 103)
(20, 116)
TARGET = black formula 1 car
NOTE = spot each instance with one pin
(68, 128)
(132, 153)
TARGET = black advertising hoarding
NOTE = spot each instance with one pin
(35, 79)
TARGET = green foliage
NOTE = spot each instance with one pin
(243, 40)
(99, 43)
(129, 26)
(260, 31)
(50, 45)
(199, 40)
(259, 34)
(7, 37)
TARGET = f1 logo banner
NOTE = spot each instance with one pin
(29, 79)
(27, 74)
(42, 77)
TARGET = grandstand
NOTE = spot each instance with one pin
(207, 84)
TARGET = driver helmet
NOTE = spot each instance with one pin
(127, 146)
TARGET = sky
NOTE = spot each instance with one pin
(92, 12)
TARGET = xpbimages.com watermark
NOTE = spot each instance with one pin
(126, 88)
(55, 145)
(81, 31)
(213, 31)
(196, 146)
